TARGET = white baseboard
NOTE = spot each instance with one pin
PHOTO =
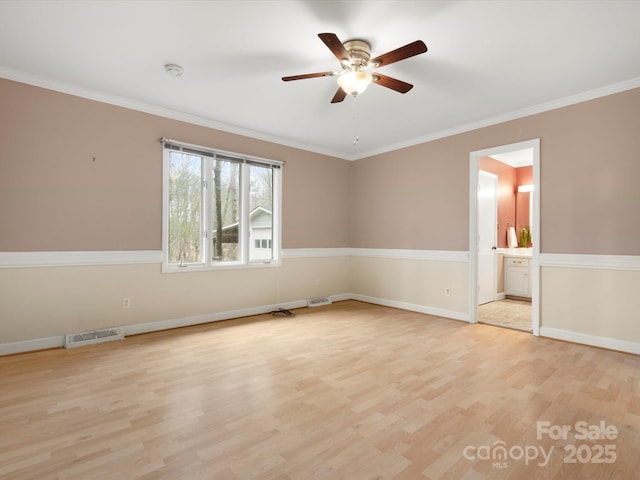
(558, 334)
(341, 297)
(31, 345)
(207, 318)
(593, 340)
(135, 329)
(438, 312)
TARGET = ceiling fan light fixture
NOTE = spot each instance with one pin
(354, 82)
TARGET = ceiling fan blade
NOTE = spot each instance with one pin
(392, 83)
(409, 50)
(332, 41)
(339, 96)
(308, 75)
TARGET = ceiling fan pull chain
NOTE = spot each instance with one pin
(356, 138)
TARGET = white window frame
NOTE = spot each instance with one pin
(245, 162)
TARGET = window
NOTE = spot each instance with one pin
(219, 209)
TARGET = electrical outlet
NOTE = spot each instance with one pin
(447, 292)
(126, 302)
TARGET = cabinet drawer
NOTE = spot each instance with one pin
(518, 262)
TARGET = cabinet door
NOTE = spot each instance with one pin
(517, 281)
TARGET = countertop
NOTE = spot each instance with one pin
(516, 252)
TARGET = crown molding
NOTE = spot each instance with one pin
(525, 112)
(107, 98)
(131, 104)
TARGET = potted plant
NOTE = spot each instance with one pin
(525, 237)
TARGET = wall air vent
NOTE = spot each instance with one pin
(318, 302)
(72, 340)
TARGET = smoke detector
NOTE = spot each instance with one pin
(174, 70)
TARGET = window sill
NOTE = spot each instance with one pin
(215, 268)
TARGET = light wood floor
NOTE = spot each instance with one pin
(348, 391)
(509, 313)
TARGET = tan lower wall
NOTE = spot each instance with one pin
(44, 302)
(36, 303)
(598, 302)
(420, 283)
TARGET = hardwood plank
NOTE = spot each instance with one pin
(347, 391)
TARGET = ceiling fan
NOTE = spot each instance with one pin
(355, 57)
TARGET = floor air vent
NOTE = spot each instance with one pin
(318, 302)
(72, 340)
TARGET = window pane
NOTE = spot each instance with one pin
(225, 211)
(261, 208)
(185, 200)
(218, 208)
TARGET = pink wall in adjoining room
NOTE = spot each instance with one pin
(506, 199)
(524, 175)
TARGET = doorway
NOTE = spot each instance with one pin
(477, 294)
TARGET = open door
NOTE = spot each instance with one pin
(487, 235)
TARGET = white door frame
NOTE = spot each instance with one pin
(474, 158)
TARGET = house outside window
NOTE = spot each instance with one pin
(264, 243)
(220, 210)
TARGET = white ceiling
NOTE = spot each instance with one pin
(517, 158)
(488, 61)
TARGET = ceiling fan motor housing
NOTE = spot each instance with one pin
(360, 53)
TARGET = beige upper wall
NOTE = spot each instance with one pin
(55, 197)
(80, 175)
(418, 197)
(590, 172)
(414, 198)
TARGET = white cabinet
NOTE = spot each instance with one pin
(516, 277)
